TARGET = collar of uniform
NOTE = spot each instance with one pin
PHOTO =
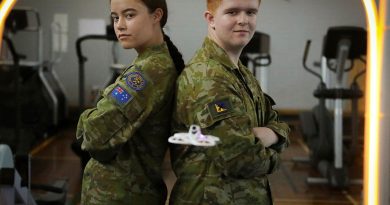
(150, 51)
(240, 65)
(214, 51)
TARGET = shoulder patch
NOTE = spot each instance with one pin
(136, 81)
(219, 108)
(120, 95)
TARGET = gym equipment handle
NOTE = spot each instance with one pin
(306, 52)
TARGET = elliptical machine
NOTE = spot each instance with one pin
(322, 132)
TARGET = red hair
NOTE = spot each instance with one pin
(212, 5)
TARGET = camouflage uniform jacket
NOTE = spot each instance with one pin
(126, 133)
(225, 101)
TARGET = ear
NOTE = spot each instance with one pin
(209, 18)
(157, 15)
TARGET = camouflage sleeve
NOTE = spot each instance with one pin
(122, 110)
(80, 124)
(216, 106)
(280, 128)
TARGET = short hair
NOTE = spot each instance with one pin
(212, 5)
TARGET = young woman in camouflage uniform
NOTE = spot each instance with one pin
(126, 133)
(218, 93)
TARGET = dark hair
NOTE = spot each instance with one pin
(175, 54)
(177, 58)
(155, 4)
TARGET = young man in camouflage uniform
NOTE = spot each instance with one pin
(218, 93)
(126, 133)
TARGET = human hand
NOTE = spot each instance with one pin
(265, 135)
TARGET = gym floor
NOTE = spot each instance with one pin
(53, 159)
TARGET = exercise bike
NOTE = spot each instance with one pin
(323, 132)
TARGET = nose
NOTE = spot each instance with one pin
(242, 19)
(120, 24)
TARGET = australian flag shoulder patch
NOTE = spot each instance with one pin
(120, 95)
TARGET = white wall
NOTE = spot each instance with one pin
(289, 22)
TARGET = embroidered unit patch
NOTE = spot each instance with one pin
(136, 81)
(220, 107)
(121, 96)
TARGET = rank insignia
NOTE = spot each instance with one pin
(136, 81)
(220, 107)
(120, 95)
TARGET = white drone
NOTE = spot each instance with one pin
(194, 137)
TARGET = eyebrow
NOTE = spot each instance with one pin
(124, 11)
